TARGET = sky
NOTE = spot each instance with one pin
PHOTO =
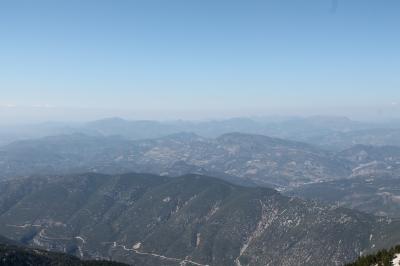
(83, 59)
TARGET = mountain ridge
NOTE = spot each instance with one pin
(260, 159)
(147, 219)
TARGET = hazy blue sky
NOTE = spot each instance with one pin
(203, 57)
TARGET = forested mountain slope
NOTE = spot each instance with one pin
(152, 220)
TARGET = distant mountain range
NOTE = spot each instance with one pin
(334, 133)
(193, 220)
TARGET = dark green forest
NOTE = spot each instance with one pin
(381, 258)
(12, 255)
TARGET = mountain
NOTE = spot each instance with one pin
(383, 136)
(251, 158)
(59, 154)
(194, 220)
(132, 130)
(9, 134)
(295, 128)
(373, 160)
(336, 133)
(379, 196)
(373, 186)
